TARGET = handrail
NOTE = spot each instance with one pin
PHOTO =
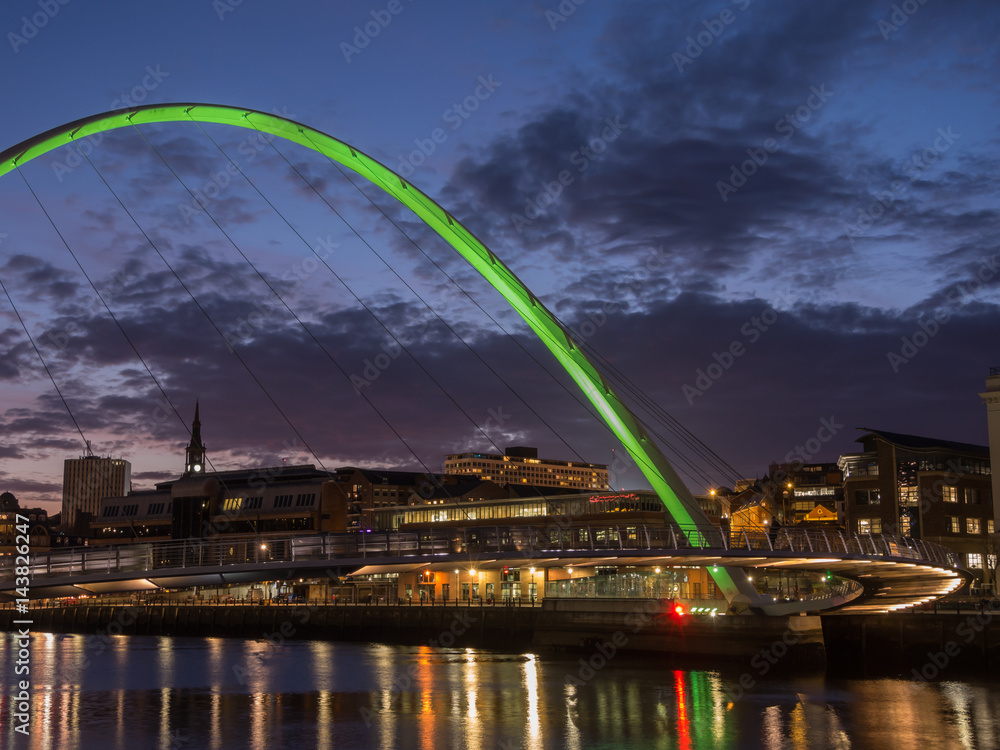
(527, 540)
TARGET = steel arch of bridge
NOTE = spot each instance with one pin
(680, 504)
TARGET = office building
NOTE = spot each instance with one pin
(88, 480)
(925, 488)
(521, 465)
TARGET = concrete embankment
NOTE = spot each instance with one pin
(629, 626)
(931, 644)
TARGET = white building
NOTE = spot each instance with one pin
(523, 466)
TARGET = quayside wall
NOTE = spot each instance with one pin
(628, 625)
(932, 644)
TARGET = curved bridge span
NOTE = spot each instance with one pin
(881, 572)
(676, 497)
(889, 572)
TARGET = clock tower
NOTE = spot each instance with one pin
(194, 454)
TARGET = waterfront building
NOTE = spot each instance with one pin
(624, 508)
(367, 490)
(88, 480)
(925, 488)
(261, 501)
(521, 465)
(564, 520)
(38, 526)
(991, 397)
(807, 493)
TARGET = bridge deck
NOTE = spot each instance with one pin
(893, 572)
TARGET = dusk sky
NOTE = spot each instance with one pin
(778, 219)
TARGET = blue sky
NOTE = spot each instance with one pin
(826, 166)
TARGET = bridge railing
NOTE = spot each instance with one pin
(529, 541)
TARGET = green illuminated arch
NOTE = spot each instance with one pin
(680, 504)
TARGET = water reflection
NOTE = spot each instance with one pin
(216, 693)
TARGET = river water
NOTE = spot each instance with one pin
(145, 692)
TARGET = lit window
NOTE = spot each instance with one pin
(975, 560)
(864, 525)
(989, 526)
(953, 524)
(972, 526)
(972, 496)
(904, 525)
(949, 494)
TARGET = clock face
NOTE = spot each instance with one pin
(197, 467)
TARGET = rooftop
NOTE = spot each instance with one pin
(918, 443)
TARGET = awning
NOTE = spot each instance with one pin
(370, 570)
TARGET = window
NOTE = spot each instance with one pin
(305, 500)
(989, 526)
(231, 504)
(283, 501)
(975, 560)
(949, 494)
(156, 509)
(972, 496)
(867, 497)
(864, 526)
(904, 525)
(130, 510)
(876, 525)
(253, 503)
(972, 526)
(110, 511)
(953, 524)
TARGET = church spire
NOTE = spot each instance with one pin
(196, 426)
(194, 454)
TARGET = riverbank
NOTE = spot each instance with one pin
(927, 643)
